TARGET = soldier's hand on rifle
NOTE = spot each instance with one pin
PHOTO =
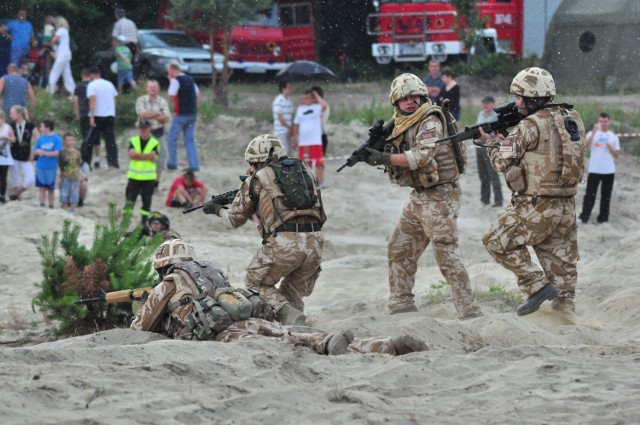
(210, 207)
(377, 158)
(499, 139)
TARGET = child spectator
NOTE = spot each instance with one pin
(46, 152)
(125, 68)
(325, 120)
(70, 163)
(186, 191)
(307, 133)
(7, 138)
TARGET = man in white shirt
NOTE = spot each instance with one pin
(102, 112)
(307, 133)
(282, 108)
(605, 149)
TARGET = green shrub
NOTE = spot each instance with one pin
(117, 260)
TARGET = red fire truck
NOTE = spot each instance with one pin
(268, 41)
(416, 30)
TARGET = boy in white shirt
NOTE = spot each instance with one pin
(307, 133)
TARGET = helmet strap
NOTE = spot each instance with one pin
(532, 104)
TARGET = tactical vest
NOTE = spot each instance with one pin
(556, 165)
(143, 170)
(214, 308)
(289, 197)
(443, 167)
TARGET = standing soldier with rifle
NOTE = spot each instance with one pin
(413, 158)
(285, 196)
(543, 161)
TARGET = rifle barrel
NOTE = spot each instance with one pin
(188, 210)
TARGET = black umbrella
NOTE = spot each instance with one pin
(305, 71)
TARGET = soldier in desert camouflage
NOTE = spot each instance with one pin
(285, 196)
(542, 159)
(430, 215)
(159, 223)
(194, 301)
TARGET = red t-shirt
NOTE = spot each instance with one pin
(180, 182)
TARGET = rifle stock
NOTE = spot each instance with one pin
(115, 297)
(378, 134)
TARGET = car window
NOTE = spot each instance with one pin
(167, 39)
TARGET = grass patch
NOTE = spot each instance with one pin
(499, 295)
(438, 293)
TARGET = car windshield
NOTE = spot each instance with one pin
(167, 39)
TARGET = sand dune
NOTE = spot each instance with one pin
(542, 368)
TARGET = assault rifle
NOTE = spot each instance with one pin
(378, 134)
(115, 297)
(508, 116)
(224, 198)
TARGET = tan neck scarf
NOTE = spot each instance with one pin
(405, 122)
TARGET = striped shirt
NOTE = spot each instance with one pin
(284, 106)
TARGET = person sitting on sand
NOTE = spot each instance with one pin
(186, 191)
(194, 301)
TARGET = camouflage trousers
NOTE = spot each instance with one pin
(429, 217)
(550, 228)
(259, 328)
(293, 257)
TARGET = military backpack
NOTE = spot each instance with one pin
(295, 182)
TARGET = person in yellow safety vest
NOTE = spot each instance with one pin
(143, 151)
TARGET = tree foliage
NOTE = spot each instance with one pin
(117, 260)
(215, 17)
(473, 22)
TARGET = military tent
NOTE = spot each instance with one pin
(593, 46)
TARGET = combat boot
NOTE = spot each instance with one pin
(404, 309)
(339, 342)
(548, 292)
(289, 315)
(407, 344)
(470, 312)
(564, 305)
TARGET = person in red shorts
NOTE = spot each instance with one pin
(186, 191)
(307, 133)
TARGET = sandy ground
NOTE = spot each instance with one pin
(543, 368)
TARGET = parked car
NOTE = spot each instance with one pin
(158, 48)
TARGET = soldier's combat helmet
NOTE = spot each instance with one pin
(172, 252)
(533, 82)
(406, 85)
(264, 147)
(156, 216)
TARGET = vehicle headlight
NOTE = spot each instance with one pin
(232, 49)
(276, 50)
